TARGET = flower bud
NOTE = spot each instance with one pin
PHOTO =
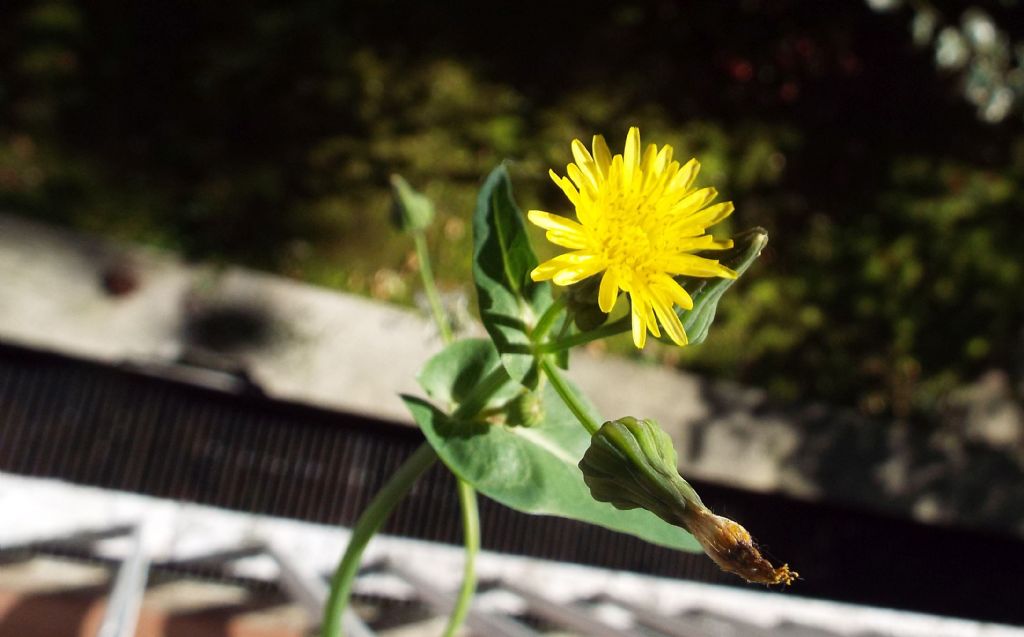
(582, 304)
(411, 210)
(632, 464)
(525, 410)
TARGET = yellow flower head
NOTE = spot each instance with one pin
(640, 221)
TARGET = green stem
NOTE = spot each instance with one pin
(624, 324)
(473, 404)
(477, 399)
(471, 537)
(367, 525)
(373, 517)
(566, 325)
(568, 396)
(430, 286)
(467, 495)
(547, 320)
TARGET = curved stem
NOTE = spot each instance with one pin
(624, 324)
(477, 399)
(373, 517)
(367, 525)
(547, 320)
(473, 404)
(430, 286)
(467, 495)
(471, 537)
(568, 396)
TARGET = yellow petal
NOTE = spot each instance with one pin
(571, 240)
(711, 215)
(615, 172)
(586, 163)
(580, 153)
(665, 176)
(647, 166)
(702, 242)
(608, 293)
(694, 202)
(674, 291)
(581, 179)
(585, 211)
(683, 179)
(568, 276)
(668, 318)
(602, 155)
(577, 257)
(544, 271)
(551, 267)
(641, 297)
(631, 157)
(692, 243)
(566, 186)
(664, 158)
(639, 327)
(724, 244)
(652, 323)
(692, 265)
(550, 221)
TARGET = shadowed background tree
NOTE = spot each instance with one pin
(265, 135)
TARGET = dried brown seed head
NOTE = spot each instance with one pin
(732, 548)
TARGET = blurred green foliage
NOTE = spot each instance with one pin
(265, 134)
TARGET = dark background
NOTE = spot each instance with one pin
(263, 133)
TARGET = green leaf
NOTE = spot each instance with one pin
(452, 374)
(531, 469)
(510, 302)
(413, 211)
(707, 293)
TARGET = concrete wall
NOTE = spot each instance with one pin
(96, 299)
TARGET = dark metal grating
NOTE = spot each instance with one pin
(100, 425)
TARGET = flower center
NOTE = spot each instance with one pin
(627, 246)
(627, 232)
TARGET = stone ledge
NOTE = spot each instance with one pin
(101, 300)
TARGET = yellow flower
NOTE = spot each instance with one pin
(640, 222)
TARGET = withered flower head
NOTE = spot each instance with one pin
(732, 548)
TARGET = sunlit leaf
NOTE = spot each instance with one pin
(707, 293)
(510, 301)
(531, 469)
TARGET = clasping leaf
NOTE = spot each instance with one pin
(510, 301)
